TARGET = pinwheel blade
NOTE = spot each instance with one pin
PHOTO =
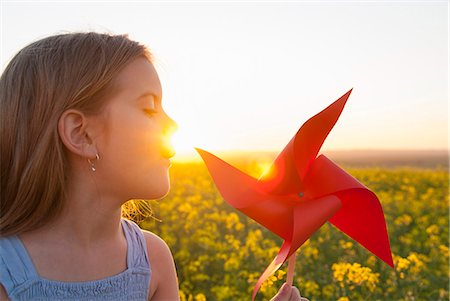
(309, 216)
(237, 188)
(289, 168)
(242, 192)
(312, 134)
(361, 216)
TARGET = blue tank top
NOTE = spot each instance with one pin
(21, 281)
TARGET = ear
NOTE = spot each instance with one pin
(72, 128)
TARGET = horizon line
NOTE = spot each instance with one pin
(182, 156)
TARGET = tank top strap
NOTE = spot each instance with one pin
(21, 281)
(15, 265)
(137, 253)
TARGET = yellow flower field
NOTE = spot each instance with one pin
(220, 253)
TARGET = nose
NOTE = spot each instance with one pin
(170, 126)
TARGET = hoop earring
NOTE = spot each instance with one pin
(97, 157)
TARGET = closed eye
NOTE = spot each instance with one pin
(150, 112)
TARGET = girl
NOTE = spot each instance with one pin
(83, 131)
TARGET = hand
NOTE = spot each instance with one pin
(288, 293)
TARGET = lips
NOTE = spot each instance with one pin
(168, 152)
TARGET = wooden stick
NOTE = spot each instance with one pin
(291, 268)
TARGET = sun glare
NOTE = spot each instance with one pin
(184, 142)
(264, 168)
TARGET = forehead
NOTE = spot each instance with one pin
(137, 78)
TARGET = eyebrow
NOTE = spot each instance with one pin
(147, 94)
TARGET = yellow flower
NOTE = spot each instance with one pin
(268, 283)
(406, 240)
(433, 229)
(354, 274)
(328, 291)
(182, 296)
(402, 264)
(371, 261)
(339, 271)
(311, 288)
(200, 297)
(280, 274)
(444, 250)
(232, 222)
(345, 244)
(311, 252)
(343, 299)
(417, 260)
(231, 264)
(404, 219)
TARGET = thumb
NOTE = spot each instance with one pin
(284, 294)
(295, 295)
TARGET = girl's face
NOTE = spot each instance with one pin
(134, 145)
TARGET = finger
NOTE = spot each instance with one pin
(283, 294)
(296, 290)
(295, 295)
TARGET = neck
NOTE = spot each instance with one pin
(88, 221)
(88, 217)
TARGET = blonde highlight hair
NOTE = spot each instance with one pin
(44, 79)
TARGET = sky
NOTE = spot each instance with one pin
(247, 75)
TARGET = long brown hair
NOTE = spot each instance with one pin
(45, 78)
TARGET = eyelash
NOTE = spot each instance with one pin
(150, 112)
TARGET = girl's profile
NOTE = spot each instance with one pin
(83, 130)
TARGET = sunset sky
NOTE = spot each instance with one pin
(246, 76)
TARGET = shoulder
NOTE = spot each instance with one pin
(13, 266)
(3, 295)
(164, 282)
(156, 245)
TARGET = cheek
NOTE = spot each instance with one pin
(137, 140)
(140, 166)
(150, 145)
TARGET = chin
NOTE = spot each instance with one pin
(154, 185)
(162, 193)
(158, 190)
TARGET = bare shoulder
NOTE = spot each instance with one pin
(156, 245)
(164, 282)
(3, 294)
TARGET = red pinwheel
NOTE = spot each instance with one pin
(301, 191)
